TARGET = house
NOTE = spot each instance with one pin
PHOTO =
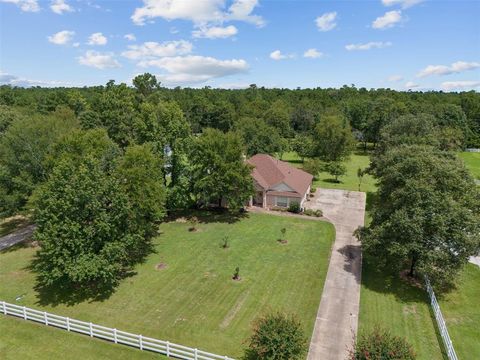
(277, 183)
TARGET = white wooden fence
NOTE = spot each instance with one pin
(106, 333)
(441, 322)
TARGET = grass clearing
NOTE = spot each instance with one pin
(472, 162)
(404, 309)
(347, 182)
(192, 300)
(28, 340)
(460, 310)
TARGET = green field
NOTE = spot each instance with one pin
(26, 340)
(460, 309)
(472, 162)
(404, 309)
(347, 182)
(193, 301)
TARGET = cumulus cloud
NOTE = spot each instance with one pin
(195, 69)
(388, 20)
(215, 32)
(97, 39)
(403, 3)
(460, 85)
(25, 5)
(456, 67)
(395, 78)
(326, 22)
(199, 12)
(151, 49)
(13, 80)
(411, 85)
(277, 55)
(62, 37)
(368, 46)
(60, 6)
(130, 37)
(312, 53)
(98, 60)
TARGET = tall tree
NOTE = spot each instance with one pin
(219, 172)
(259, 138)
(333, 139)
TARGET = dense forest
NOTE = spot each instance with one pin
(104, 164)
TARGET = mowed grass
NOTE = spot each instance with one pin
(193, 301)
(348, 181)
(391, 303)
(460, 309)
(26, 340)
(472, 162)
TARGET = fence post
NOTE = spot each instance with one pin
(115, 335)
(168, 348)
(4, 307)
(45, 317)
(140, 342)
(24, 313)
(68, 324)
(195, 354)
(91, 330)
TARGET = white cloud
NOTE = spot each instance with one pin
(395, 78)
(98, 60)
(215, 32)
(61, 37)
(368, 46)
(454, 68)
(97, 39)
(199, 12)
(13, 80)
(195, 69)
(460, 85)
(411, 85)
(130, 37)
(403, 3)
(60, 6)
(151, 49)
(388, 20)
(25, 5)
(326, 22)
(277, 55)
(312, 53)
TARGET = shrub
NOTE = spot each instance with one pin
(225, 242)
(311, 212)
(277, 336)
(380, 344)
(313, 166)
(294, 207)
(236, 274)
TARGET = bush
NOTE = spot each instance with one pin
(310, 212)
(294, 207)
(277, 336)
(380, 344)
(313, 166)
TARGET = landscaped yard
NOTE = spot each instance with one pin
(347, 182)
(192, 299)
(472, 162)
(404, 309)
(26, 340)
(461, 313)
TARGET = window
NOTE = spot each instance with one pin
(282, 201)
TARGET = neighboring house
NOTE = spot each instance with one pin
(277, 183)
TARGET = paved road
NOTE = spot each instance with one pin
(337, 317)
(16, 237)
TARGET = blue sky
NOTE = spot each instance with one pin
(401, 44)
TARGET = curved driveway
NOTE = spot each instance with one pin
(337, 317)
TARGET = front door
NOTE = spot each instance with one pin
(258, 198)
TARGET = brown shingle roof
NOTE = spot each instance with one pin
(269, 172)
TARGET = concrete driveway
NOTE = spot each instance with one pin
(337, 317)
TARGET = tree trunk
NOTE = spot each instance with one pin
(411, 273)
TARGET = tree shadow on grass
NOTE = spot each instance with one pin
(211, 215)
(332, 181)
(372, 199)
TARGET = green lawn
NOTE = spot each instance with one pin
(391, 303)
(26, 340)
(460, 309)
(347, 182)
(472, 162)
(194, 301)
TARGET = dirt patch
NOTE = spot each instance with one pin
(234, 310)
(283, 242)
(161, 266)
(181, 220)
(410, 309)
(410, 280)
